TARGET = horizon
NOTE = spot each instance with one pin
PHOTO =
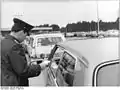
(60, 13)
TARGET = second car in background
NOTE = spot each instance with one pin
(39, 46)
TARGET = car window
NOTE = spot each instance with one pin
(107, 74)
(48, 41)
(68, 62)
(66, 68)
(55, 39)
(57, 56)
(39, 40)
(58, 53)
(55, 59)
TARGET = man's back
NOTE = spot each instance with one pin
(8, 77)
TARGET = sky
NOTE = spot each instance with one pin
(61, 13)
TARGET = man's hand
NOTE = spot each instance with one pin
(44, 64)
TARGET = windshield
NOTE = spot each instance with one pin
(48, 41)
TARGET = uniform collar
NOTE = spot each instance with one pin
(12, 38)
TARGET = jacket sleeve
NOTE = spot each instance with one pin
(19, 63)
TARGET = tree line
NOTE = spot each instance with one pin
(84, 26)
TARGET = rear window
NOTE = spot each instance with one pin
(107, 74)
(48, 41)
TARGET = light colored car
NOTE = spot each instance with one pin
(39, 46)
(112, 33)
(92, 62)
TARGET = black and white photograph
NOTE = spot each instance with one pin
(60, 43)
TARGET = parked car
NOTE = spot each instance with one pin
(39, 46)
(92, 62)
(112, 33)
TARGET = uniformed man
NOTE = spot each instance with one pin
(15, 70)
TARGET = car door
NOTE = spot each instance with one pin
(55, 57)
(65, 70)
(107, 74)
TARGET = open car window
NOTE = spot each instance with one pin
(107, 74)
(58, 54)
(55, 59)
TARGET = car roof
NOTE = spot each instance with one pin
(47, 35)
(94, 50)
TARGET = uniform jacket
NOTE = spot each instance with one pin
(14, 68)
